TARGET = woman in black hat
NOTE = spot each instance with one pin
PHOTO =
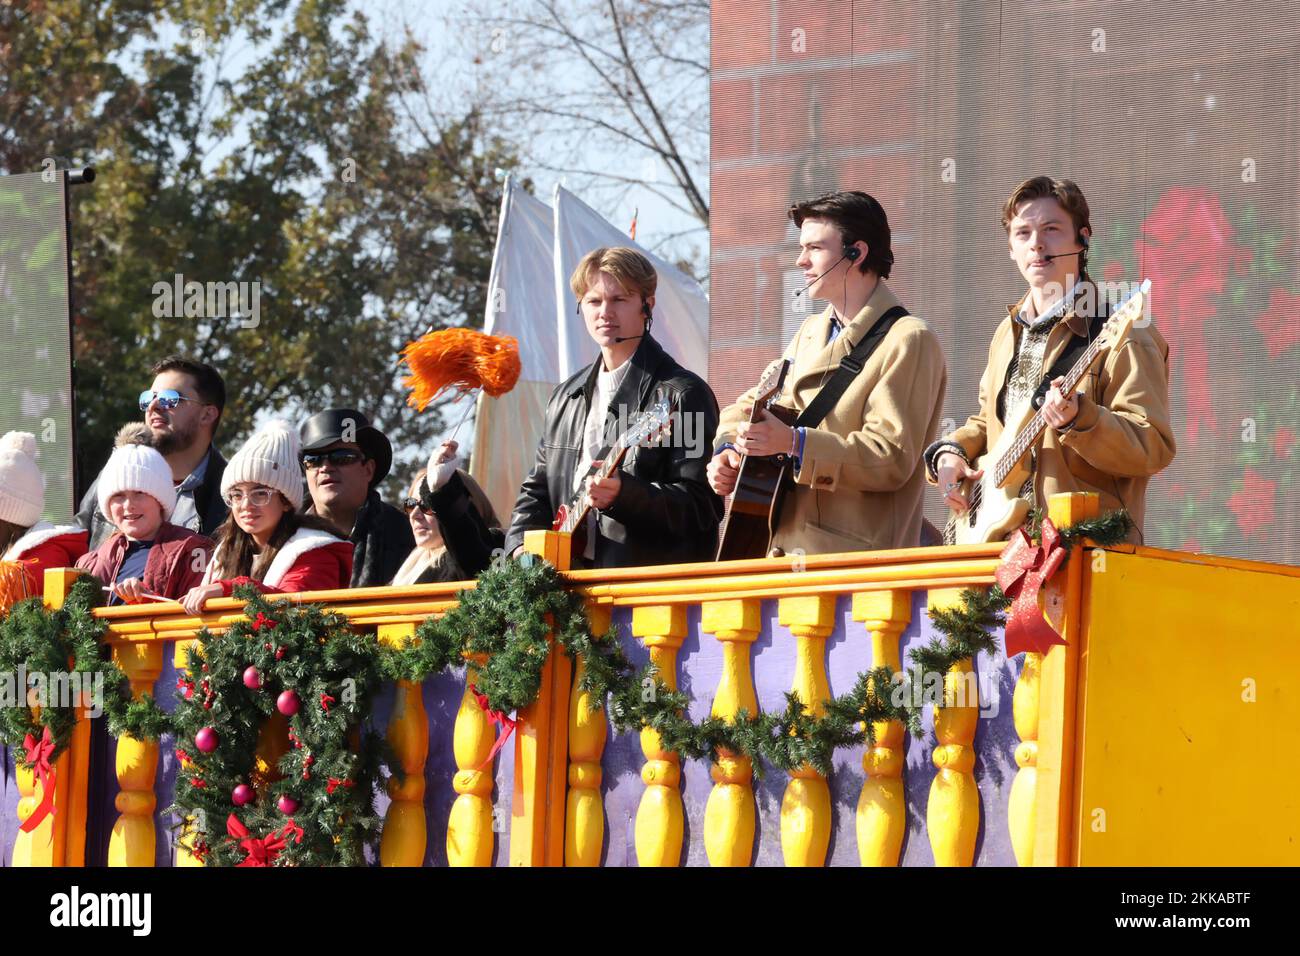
(456, 529)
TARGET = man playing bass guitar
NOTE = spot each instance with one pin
(1112, 434)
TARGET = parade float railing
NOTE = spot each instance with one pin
(1154, 735)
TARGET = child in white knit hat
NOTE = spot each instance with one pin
(265, 541)
(148, 557)
(24, 536)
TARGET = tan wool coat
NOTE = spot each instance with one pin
(861, 481)
(1122, 435)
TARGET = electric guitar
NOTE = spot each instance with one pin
(645, 429)
(996, 508)
(754, 505)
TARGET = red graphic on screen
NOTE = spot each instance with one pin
(1253, 504)
(1186, 247)
(1278, 322)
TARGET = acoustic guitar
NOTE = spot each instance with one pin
(754, 505)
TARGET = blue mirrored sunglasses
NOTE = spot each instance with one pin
(167, 398)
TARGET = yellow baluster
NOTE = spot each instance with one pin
(185, 842)
(1024, 789)
(469, 827)
(806, 806)
(406, 830)
(584, 823)
(132, 840)
(882, 807)
(60, 839)
(659, 820)
(729, 815)
(953, 810)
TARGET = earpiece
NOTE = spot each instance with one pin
(852, 253)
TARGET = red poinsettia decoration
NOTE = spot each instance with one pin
(1283, 439)
(1277, 323)
(1253, 504)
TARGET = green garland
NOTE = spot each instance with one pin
(328, 777)
(66, 642)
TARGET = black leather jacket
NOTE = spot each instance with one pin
(665, 512)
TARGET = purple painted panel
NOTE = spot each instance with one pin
(848, 651)
(8, 806)
(441, 700)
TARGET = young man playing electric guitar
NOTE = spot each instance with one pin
(655, 507)
(1112, 433)
(855, 454)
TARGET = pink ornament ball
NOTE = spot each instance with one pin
(206, 740)
(288, 703)
(242, 795)
(287, 804)
(252, 679)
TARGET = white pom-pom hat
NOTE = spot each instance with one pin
(137, 468)
(22, 486)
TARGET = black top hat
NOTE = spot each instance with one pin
(325, 428)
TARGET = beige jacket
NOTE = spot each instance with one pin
(861, 481)
(1122, 435)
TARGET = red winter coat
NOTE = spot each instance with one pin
(47, 546)
(175, 564)
(315, 561)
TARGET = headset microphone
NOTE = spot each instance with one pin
(1076, 252)
(851, 253)
(649, 318)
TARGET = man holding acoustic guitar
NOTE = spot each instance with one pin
(863, 390)
(1093, 382)
(639, 497)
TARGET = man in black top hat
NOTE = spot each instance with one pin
(345, 458)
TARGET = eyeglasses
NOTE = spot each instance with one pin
(167, 398)
(338, 457)
(258, 497)
(410, 504)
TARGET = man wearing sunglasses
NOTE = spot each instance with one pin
(345, 458)
(181, 408)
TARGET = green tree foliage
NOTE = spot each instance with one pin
(251, 141)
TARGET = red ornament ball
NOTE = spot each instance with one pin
(308, 760)
(252, 679)
(287, 804)
(288, 703)
(242, 794)
(267, 645)
(279, 653)
(206, 740)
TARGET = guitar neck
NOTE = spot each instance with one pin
(1032, 431)
(574, 516)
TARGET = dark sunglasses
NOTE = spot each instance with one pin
(339, 457)
(410, 504)
(167, 398)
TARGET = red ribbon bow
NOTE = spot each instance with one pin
(335, 783)
(262, 851)
(262, 621)
(499, 718)
(1025, 567)
(326, 700)
(38, 758)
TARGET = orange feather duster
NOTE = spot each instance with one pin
(13, 584)
(464, 359)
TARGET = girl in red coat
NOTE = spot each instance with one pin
(265, 541)
(24, 536)
(147, 556)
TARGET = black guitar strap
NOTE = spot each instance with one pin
(850, 367)
(1077, 345)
